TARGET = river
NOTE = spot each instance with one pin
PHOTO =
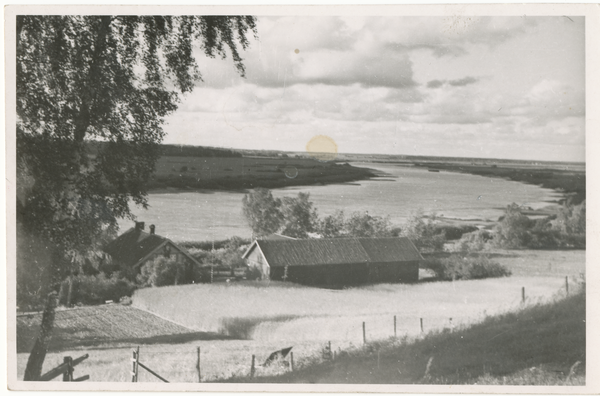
(208, 215)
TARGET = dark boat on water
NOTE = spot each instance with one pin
(433, 170)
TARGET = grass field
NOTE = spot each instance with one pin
(304, 314)
(541, 344)
(242, 173)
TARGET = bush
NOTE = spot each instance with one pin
(572, 219)
(162, 271)
(459, 266)
(566, 230)
(473, 241)
(454, 232)
(96, 289)
(423, 233)
(512, 229)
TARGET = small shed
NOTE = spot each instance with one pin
(336, 262)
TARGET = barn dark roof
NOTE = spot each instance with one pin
(277, 237)
(134, 244)
(336, 251)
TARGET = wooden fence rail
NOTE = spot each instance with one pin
(66, 369)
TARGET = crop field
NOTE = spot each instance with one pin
(239, 173)
(98, 325)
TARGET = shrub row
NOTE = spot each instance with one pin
(458, 266)
(95, 289)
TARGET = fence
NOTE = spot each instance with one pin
(251, 367)
(282, 360)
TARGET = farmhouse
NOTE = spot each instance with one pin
(135, 247)
(336, 262)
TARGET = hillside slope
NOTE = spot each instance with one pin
(538, 345)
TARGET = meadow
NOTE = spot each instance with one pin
(537, 344)
(276, 313)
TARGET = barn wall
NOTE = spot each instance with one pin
(349, 274)
(330, 275)
(398, 272)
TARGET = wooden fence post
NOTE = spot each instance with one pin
(292, 360)
(451, 326)
(421, 320)
(199, 370)
(68, 374)
(364, 334)
(135, 360)
(523, 294)
(567, 284)
(395, 333)
(252, 370)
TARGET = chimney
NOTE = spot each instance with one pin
(152, 229)
(139, 225)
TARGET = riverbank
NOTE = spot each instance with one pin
(240, 174)
(569, 183)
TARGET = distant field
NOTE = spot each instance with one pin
(241, 173)
(544, 263)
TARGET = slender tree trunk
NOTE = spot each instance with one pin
(33, 371)
(69, 291)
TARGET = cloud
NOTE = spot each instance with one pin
(463, 81)
(438, 86)
(434, 84)
(371, 51)
(550, 100)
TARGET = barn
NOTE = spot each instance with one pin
(336, 262)
(135, 247)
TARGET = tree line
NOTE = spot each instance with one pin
(175, 150)
(297, 217)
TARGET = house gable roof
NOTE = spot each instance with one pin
(135, 246)
(279, 253)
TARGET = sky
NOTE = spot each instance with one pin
(490, 87)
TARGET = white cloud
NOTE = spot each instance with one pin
(501, 87)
